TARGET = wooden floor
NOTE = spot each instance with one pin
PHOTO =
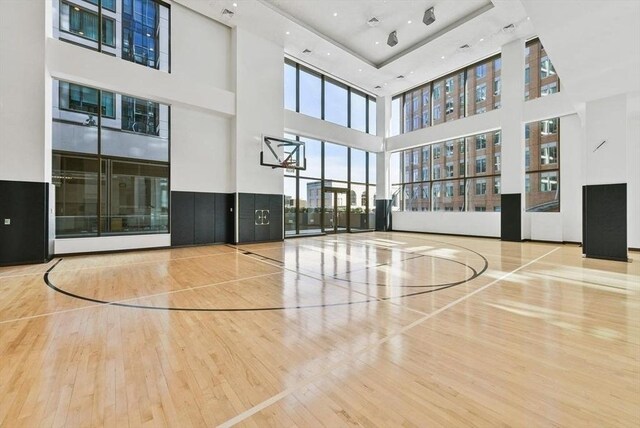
(373, 329)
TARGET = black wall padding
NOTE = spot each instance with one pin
(248, 230)
(511, 217)
(383, 215)
(604, 221)
(182, 218)
(201, 218)
(25, 240)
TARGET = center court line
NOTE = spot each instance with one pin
(138, 297)
(274, 399)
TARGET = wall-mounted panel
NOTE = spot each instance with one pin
(511, 217)
(182, 218)
(24, 229)
(260, 217)
(604, 234)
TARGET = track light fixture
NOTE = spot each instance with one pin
(392, 40)
(429, 16)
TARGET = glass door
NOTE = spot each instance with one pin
(335, 218)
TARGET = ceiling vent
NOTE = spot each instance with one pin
(463, 47)
(373, 22)
(306, 51)
(400, 77)
(377, 87)
(509, 28)
(227, 14)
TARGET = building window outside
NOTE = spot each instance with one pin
(84, 23)
(481, 141)
(84, 99)
(481, 92)
(542, 171)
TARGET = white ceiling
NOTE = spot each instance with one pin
(345, 22)
(344, 46)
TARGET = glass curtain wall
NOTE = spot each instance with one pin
(134, 30)
(456, 175)
(473, 90)
(110, 163)
(314, 94)
(310, 206)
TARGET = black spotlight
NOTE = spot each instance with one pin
(429, 16)
(392, 40)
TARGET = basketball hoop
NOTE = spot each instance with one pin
(289, 166)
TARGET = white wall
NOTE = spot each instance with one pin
(201, 154)
(259, 86)
(457, 223)
(24, 155)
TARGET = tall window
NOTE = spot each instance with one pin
(310, 208)
(540, 76)
(542, 165)
(134, 30)
(314, 94)
(110, 166)
(462, 93)
(465, 175)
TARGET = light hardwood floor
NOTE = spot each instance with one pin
(374, 329)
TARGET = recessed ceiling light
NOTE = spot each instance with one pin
(385, 83)
(442, 57)
(482, 40)
(335, 13)
(76, 8)
(359, 69)
(377, 43)
(328, 53)
(409, 22)
(235, 5)
(411, 72)
(287, 33)
(528, 18)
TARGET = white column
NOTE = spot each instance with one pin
(511, 110)
(25, 152)
(259, 85)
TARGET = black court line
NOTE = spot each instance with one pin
(273, 308)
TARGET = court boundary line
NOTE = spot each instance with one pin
(274, 399)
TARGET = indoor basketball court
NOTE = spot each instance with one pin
(389, 328)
